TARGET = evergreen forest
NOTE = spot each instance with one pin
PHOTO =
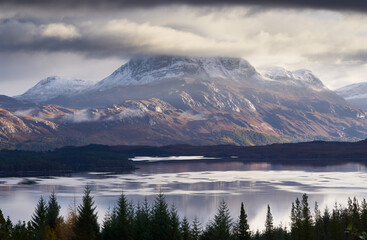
(160, 221)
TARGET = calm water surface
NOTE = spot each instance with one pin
(196, 188)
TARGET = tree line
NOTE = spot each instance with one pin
(64, 160)
(161, 222)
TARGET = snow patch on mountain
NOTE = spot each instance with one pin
(144, 70)
(53, 87)
(277, 73)
(353, 91)
(299, 77)
(306, 76)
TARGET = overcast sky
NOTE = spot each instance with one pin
(90, 39)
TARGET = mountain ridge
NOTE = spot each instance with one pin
(144, 70)
(183, 103)
(355, 94)
(52, 87)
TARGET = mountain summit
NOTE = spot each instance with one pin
(145, 70)
(355, 94)
(53, 87)
(298, 77)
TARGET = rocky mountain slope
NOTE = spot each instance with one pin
(22, 121)
(165, 99)
(355, 94)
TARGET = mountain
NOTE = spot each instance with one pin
(355, 94)
(52, 87)
(162, 100)
(171, 78)
(301, 77)
(141, 71)
(22, 122)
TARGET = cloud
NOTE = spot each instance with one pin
(354, 5)
(19, 35)
(119, 37)
(26, 112)
(94, 42)
(194, 116)
(60, 30)
(84, 115)
(127, 113)
(95, 115)
(147, 38)
(355, 58)
(232, 32)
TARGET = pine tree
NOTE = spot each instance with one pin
(106, 232)
(296, 215)
(318, 231)
(39, 220)
(185, 229)
(53, 212)
(269, 227)
(346, 214)
(336, 227)
(175, 232)
(160, 222)
(355, 214)
(243, 229)
(257, 235)
(122, 220)
(86, 225)
(196, 229)
(5, 227)
(306, 219)
(280, 233)
(222, 223)
(363, 214)
(326, 223)
(142, 222)
(23, 231)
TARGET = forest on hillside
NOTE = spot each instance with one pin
(161, 222)
(117, 158)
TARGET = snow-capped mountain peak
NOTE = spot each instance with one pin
(277, 73)
(307, 76)
(353, 91)
(52, 87)
(144, 70)
(301, 76)
(355, 94)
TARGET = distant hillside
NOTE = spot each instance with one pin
(117, 158)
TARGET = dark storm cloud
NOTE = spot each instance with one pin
(356, 58)
(27, 36)
(116, 38)
(355, 5)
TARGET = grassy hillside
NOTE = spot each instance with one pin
(248, 138)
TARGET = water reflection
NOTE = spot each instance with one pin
(196, 188)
